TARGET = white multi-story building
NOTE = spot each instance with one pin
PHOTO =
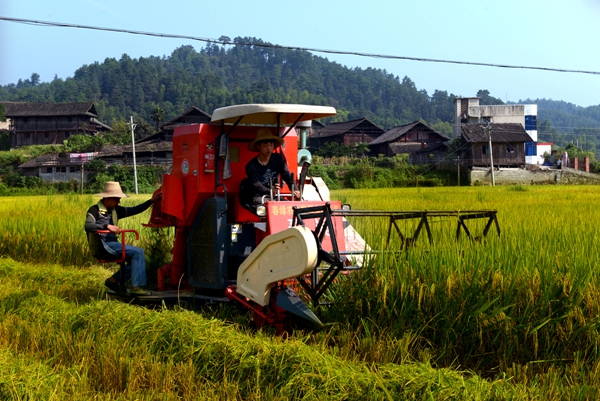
(468, 111)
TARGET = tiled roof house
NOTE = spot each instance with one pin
(50, 123)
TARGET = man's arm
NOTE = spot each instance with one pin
(123, 212)
(288, 178)
(285, 173)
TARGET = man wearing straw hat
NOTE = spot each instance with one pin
(105, 215)
(263, 171)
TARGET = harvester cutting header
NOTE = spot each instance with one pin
(243, 236)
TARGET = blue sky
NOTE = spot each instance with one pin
(558, 34)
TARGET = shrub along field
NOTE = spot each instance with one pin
(514, 316)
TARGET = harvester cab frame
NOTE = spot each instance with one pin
(275, 116)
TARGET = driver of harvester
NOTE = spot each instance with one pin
(263, 171)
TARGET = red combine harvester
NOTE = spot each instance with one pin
(224, 252)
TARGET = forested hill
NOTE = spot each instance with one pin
(217, 76)
(561, 122)
(220, 76)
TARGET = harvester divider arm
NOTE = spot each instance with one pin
(474, 216)
(413, 213)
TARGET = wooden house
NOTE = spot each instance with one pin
(193, 115)
(431, 154)
(147, 153)
(155, 150)
(347, 133)
(407, 139)
(508, 144)
(316, 125)
(51, 123)
(71, 166)
(62, 167)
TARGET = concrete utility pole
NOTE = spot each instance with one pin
(132, 126)
(488, 130)
(458, 169)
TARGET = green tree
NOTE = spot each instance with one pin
(362, 149)
(157, 115)
(486, 99)
(85, 143)
(4, 140)
(35, 79)
(333, 149)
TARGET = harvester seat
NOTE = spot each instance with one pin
(246, 195)
(104, 254)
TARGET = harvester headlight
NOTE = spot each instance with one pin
(261, 210)
(346, 206)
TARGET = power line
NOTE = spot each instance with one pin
(267, 45)
(563, 127)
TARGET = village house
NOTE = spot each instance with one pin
(62, 167)
(436, 153)
(406, 139)
(193, 115)
(348, 133)
(469, 111)
(508, 144)
(50, 123)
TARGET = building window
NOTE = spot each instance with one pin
(46, 135)
(530, 123)
(510, 148)
(48, 170)
(484, 150)
(61, 169)
(67, 135)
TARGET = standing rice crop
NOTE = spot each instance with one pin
(51, 228)
(524, 304)
(528, 298)
(57, 347)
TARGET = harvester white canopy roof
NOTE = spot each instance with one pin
(271, 114)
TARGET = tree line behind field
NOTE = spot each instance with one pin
(217, 76)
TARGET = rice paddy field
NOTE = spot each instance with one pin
(514, 316)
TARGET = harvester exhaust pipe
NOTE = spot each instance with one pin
(304, 126)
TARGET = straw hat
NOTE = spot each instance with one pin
(264, 134)
(112, 189)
